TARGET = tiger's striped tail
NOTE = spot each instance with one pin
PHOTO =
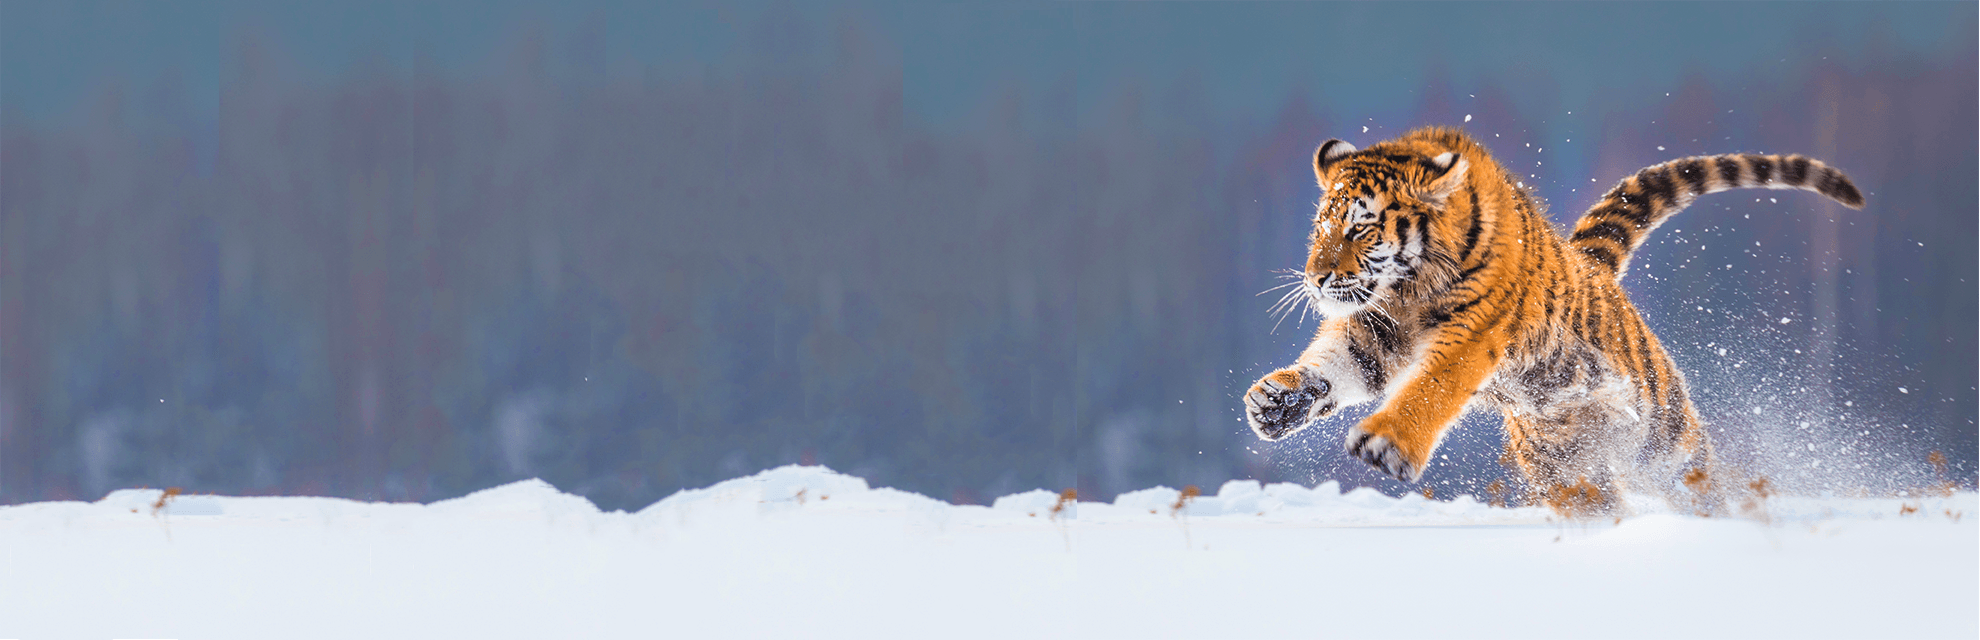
(1616, 226)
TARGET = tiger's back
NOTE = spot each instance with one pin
(1445, 286)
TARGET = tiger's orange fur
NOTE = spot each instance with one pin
(1443, 286)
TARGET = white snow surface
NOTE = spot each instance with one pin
(806, 552)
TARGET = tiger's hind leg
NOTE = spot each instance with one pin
(1676, 458)
(1677, 461)
(1562, 467)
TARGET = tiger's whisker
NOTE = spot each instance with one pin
(1276, 288)
(1283, 300)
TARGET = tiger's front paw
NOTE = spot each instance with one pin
(1377, 446)
(1287, 400)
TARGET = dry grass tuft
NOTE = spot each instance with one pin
(1428, 494)
(1066, 498)
(1496, 492)
(165, 498)
(1182, 501)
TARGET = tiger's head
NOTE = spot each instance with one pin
(1371, 226)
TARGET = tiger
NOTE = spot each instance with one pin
(1443, 287)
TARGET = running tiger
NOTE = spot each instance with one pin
(1442, 284)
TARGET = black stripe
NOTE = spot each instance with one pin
(1601, 255)
(1372, 373)
(1592, 322)
(1676, 419)
(1795, 170)
(1384, 332)
(1441, 316)
(1605, 229)
(1763, 170)
(1556, 282)
(1728, 170)
(1633, 207)
(1656, 185)
(1602, 327)
(1423, 233)
(1649, 366)
(1693, 172)
(1835, 185)
(1477, 224)
(1576, 306)
(1465, 275)
(1553, 294)
(1402, 233)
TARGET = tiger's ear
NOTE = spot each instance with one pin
(1328, 153)
(1446, 173)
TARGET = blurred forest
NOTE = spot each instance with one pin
(409, 286)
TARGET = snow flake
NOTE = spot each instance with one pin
(1467, 117)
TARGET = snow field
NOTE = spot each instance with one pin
(806, 552)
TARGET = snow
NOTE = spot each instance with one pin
(807, 552)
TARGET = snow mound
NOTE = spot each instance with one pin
(786, 490)
(523, 498)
